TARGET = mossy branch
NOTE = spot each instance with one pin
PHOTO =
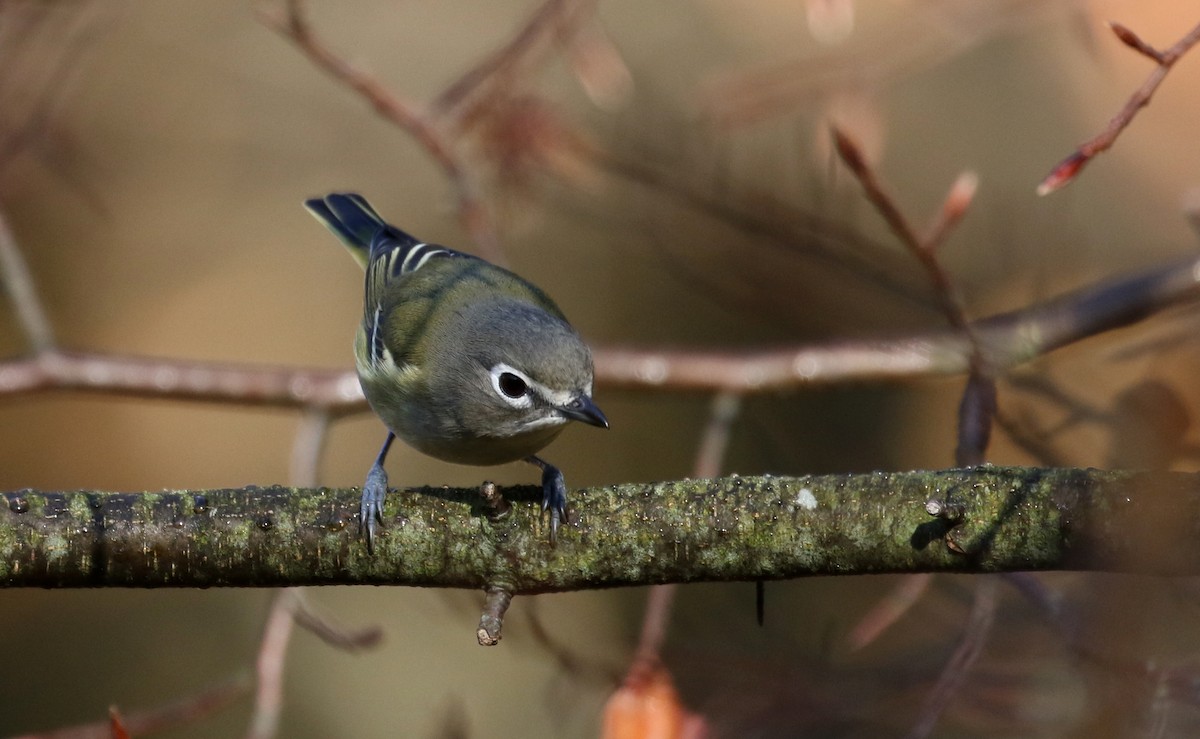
(986, 519)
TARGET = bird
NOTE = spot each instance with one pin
(463, 360)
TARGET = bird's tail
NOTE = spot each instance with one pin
(352, 219)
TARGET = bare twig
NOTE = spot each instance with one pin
(333, 390)
(1135, 42)
(290, 609)
(655, 619)
(497, 506)
(890, 609)
(1191, 209)
(782, 225)
(292, 24)
(66, 34)
(1066, 170)
(1035, 442)
(976, 415)
(22, 292)
(966, 654)
(116, 724)
(1010, 339)
(554, 20)
(564, 654)
(483, 98)
(710, 456)
(978, 405)
(332, 634)
(598, 65)
(311, 433)
(268, 697)
(924, 250)
(185, 712)
(496, 604)
(954, 207)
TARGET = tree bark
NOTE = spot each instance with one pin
(984, 519)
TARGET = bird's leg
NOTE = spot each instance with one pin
(370, 510)
(554, 494)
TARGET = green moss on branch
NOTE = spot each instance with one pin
(737, 528)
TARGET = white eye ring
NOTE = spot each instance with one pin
(513, 385)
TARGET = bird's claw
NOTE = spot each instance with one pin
(554, 499)
(370, 510)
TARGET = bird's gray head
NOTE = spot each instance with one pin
(525, 371)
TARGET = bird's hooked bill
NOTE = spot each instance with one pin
(583, 409)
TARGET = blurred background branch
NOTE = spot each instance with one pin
(1006, 340)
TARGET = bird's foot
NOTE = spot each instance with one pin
(370, 510)
(554, 498)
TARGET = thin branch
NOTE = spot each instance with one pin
(553, 20)
(977, 408)
(268, 697)
(410, 117)
(22, 291)
(660, 602)
(722, 414)
(1009, 339)
(336, 636)
(922, 249)
(976, 416)
(491, 622)
(710, 457)
(186, 712)
(966, 654)
(890, 609)
(954, 208)
(597, 64)
(852, 156)
(1126, 36)
(293, 25)
(493, 501)
(1191, 209)
(565, 654)
(780, 224)
(304, 470)
(290, 609)
(117, 724)
(1066, 170)
(1021, 432)
(336, 391)
(67, 42)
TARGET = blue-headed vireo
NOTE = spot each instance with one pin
(463, 360)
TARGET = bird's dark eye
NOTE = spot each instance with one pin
(512, 386)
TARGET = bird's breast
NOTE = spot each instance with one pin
(431, 425)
